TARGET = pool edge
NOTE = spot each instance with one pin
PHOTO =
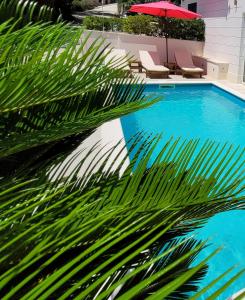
(198, 82)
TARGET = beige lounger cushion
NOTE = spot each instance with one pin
(116, 54)
(149, 64)
(192, 70)
(156, 68)
(185, 62)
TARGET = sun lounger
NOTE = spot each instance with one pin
(151, 63)
(119, 55)
(184, 61)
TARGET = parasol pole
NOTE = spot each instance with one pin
(102, 8)
(166, 33)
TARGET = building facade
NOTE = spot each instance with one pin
(225, 33)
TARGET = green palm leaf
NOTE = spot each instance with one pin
(98, 240)
(89, 224)
(53, 86)
(24, 12)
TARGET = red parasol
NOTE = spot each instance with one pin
(164, 9)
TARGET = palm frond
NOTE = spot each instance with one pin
(69, 253)
(52, 86)
(174, 178)
(90, 224)
(117, 235)
(24, 12)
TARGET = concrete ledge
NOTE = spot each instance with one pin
(97, 151)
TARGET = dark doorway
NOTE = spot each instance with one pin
(192, 7)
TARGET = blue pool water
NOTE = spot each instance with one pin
(206, 112)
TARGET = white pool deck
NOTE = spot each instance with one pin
(109, 134)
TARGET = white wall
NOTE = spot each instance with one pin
(214, 8)
(133, 43)
(225, 34)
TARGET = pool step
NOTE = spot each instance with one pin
(166, 86)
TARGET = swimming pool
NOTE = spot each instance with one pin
(207, 112)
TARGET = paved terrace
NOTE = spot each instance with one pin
(108, 10)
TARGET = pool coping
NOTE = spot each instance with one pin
(199, 82)
(229, 90)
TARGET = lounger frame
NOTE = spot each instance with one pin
(184, 73)
(156, 74)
